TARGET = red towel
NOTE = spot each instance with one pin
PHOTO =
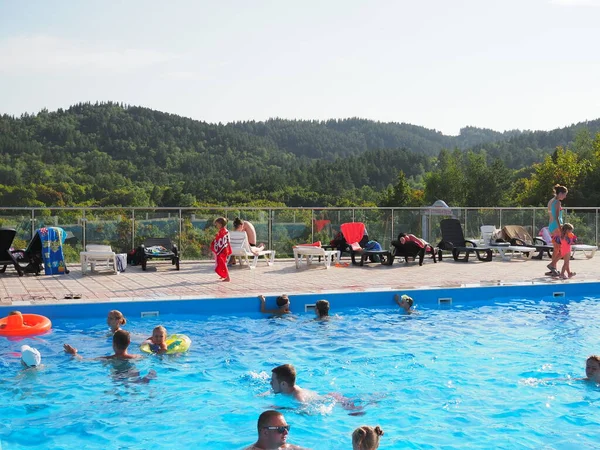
(353, 232)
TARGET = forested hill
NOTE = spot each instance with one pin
(110, 154)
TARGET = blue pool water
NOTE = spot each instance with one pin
(486, 375)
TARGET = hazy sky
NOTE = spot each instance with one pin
(443, 64)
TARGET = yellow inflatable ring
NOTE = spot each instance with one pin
(176, 343)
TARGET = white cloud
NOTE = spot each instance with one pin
(576, 2)
(24, 55)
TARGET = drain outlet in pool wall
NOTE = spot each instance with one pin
(149, 314)
(308, 308)
(558, 294)
(447, 301)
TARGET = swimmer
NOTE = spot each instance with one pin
(273, 431)
(322, 309)
(158, 341)
(405, 302)
(115, 320)
(366, 438)
(283, 381)
(283, 304)
(121, 341)
(592, 369)
(30, 357)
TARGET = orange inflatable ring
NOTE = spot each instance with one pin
(24, 325)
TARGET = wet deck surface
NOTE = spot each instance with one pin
(197, 279)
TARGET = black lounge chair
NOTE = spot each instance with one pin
(32, 256)
(146, 253)
(454, 240)
(412, 249)
(7, 235)
(518, 235)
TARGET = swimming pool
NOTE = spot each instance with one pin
(482, 374)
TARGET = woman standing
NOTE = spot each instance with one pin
(555, 215)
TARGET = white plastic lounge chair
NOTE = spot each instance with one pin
(98, 254)
(310, 252)
(240, 248)
(588, 250)
(505, 250)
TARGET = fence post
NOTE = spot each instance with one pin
(133, 228)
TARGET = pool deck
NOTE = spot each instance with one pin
(197, 279)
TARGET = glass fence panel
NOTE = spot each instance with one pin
(584, 224)
(112, 227)
(197, 233)
(291, 227)
(378, 223)
(476, 218)
(519, 216)
(70, 221)
(20, 220)
(154, 223)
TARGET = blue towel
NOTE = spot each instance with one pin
(52, 252)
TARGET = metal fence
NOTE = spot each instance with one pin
(278, 228)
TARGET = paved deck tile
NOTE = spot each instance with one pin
(196, 279)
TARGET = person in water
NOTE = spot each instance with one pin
(273, 431)
(158, 341)
(322, 309)
(405, 302)
(366, 438)
(555, 216)
(592, 369)
(115, 320)
(121, 341)
(283, 305)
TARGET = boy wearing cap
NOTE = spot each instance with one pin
(30, 357)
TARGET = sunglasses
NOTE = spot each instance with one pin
(280, 430)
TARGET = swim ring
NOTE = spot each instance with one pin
(176, 343)
(24, 325)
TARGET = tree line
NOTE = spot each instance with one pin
(110, 154)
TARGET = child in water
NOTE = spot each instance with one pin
(115, 320)
(221, 248)
(405, 302)
(565, 240)
(158, 341)
(322, 309)
(283, 305)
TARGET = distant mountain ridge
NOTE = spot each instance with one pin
(109, 153)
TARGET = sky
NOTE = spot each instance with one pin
(441, 64)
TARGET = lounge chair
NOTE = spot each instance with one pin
(409, 246)
(588, 250)
(7, 235)
(454, 240)
(309, 251)
(157, 248)
(518, 235)
(240, 247)
(98, 254)
(44, 251)
(505, 249)
(357, 239)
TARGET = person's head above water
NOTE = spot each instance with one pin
(30, 357)
(115, 320)
(159, 335)
(592, 368)
(366, 438)
(282, 301)
(272, 430)
(283, 378)
(322, 308)
(121, 341)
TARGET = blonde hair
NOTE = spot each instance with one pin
(366, 437)
(116, 314)
(161, 328)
